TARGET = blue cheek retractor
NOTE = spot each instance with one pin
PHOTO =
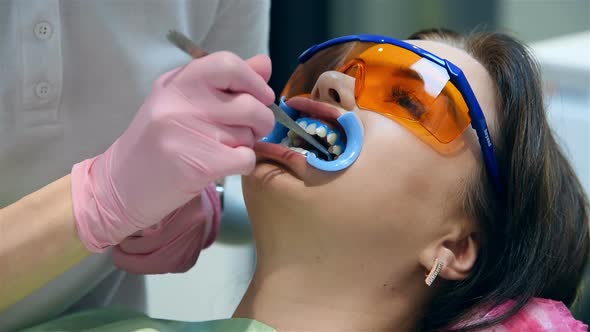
(353, 130)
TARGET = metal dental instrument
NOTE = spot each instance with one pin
(286, 121)
(181, 41)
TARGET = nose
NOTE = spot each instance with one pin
(335, 88)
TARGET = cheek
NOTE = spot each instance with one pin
(398, 175)
(390, 176)
(397, 156)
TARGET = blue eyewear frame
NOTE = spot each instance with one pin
(478, 121)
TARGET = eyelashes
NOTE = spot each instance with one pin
(407, 100)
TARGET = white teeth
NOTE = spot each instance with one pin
(311, 129)
(321, 131)
(300, 150)
(335, 149)
(302, 124)
(291, 134)
(296, 141)
(332, 137)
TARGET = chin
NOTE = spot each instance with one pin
(273, 186)
(270, 190)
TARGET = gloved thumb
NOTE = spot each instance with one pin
(262, 65)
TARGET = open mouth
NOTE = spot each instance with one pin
(327, 134)
(341, 133)
(320, 121)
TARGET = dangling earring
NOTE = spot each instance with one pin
(436, 268)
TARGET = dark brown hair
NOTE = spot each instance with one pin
(534, 239)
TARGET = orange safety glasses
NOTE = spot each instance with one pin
(392, 81)
(427, 94)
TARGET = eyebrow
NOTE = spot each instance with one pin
(412, 74)
(408, 73)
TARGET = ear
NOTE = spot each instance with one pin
(457, 251)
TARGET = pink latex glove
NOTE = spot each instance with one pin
(173, 245)
(199, 124)
(538, 315)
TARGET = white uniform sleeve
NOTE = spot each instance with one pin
(241, 26)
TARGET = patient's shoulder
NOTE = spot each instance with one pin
(541, 315)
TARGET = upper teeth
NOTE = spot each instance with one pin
(335, 149)
(332, 136)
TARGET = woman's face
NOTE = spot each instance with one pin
(399, 196)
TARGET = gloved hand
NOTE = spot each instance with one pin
(199, 124)
(174, 244)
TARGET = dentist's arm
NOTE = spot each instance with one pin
(199, 124)
(38, 241)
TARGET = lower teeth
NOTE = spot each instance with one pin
(293, 142)
(300, 150)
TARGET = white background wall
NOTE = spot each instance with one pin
(565, 63)
(535, 20)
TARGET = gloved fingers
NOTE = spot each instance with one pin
(262, 65)
(149, 240)
(223, 71)
(165, 78)
(193, 128)
(241, 109)
(243, 162)
(212, 204)
(222, 161)
(173, 246)
(232, 136)
(177, 255)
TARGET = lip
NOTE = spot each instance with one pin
(285, 157)
(315, 108)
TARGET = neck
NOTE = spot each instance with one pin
(317, 296)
